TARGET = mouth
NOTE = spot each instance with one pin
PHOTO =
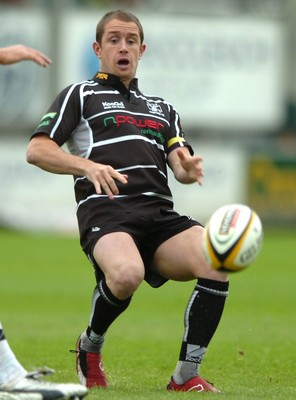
(123, 62)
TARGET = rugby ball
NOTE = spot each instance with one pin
(232, 238)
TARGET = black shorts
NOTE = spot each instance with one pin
(148, 228)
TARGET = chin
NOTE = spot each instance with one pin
(123, 76)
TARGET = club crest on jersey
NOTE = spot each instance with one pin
(154, 108)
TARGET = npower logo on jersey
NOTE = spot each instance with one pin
(139, 122)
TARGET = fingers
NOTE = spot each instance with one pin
(181, 154)
(188, 158)
(200, 171)
(199, 179)
(192, 165)
(104, 179)
(39, 58)
(109, 187)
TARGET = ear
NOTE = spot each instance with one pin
(97, 49)
(142, 50)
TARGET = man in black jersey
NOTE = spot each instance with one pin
(120, 142)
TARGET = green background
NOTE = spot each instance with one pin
(45, 293)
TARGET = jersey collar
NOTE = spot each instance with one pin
(112, 80)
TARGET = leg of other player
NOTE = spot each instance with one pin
(17, 384)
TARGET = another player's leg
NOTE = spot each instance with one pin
(202, 317)
(10, 369)
(19, 396)
(17, 384)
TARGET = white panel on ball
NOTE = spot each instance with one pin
(233, 238)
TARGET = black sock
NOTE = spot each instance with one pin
(105, 308)
(202, 316)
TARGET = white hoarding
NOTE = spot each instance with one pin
(33, 199)
(218, 73)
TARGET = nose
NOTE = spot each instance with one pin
(123, 46)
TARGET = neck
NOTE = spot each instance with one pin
(126, 82)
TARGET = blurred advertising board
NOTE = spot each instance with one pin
(218, 73)
(272, 188)
(32, 199)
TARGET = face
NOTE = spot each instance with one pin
(120, 49)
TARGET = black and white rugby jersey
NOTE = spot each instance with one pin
(100, 119)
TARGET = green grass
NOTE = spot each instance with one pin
(45, 290)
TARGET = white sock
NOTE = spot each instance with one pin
(94, 343)
(10, 369)
(186, 370)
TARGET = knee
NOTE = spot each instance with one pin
(214, 275)
(202, 269)
(125, 280)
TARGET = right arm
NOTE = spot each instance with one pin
(18, 52)
(49, 156)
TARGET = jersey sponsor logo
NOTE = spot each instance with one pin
(119, 120)
(112, 104)
(154, 134)
(154, 108)
(46, 119)
(149, 126)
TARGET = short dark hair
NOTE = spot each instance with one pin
(122, 16)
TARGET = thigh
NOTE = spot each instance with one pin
(181, 257)
(118, 257)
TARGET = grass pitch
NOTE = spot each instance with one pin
(45, 291)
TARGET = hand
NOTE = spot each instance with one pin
(19, 52)
(103, 177)
(192, 166)
(48, 155)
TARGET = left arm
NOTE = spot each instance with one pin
(186, 168)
